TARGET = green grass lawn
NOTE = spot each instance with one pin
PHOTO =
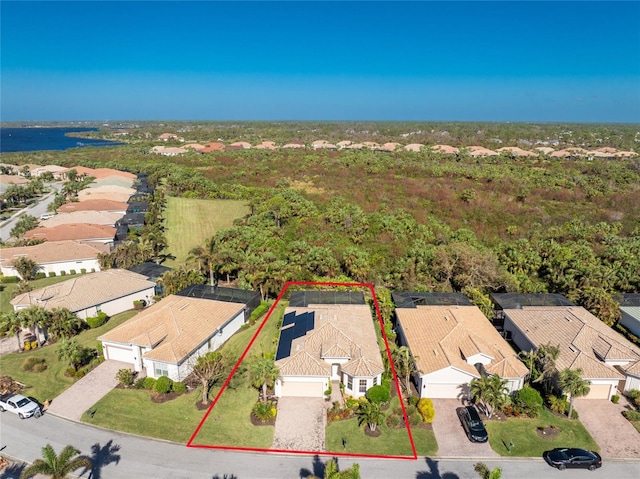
(52, 381)
(392, 442)
(190, 222)
(527, 442)
(7, 290)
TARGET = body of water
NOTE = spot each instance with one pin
(36, 139)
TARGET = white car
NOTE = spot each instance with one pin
(20, 405)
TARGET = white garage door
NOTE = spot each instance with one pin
(599, 391)
(303, 389)
(442, 390)
(119, 353)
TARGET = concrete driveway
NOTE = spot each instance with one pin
(452, 440)
(300, 424)
(87, 391)
(615, 435)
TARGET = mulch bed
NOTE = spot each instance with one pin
(549, 432)
(371, 433)
(200, 406)
(160, 398)
(257, 422)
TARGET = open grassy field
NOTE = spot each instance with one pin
(52, 381)
(527, 442)
(190, 222)
(7, 290)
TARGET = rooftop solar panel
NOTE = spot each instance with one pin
(300, 328)
(289, 318)
(284, 344)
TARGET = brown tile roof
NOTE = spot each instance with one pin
(584, 340)
(345, 331)
(90, 194)
(50, 252)
(242, 144)
(443, 336)
(213, 147)
(174, 327)
(75, 231)
(481, 151)
(99, 173)
(93, 205)
(86, 290)
(88, 217)
(266, 145)
(13, 179)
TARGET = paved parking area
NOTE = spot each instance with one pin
(300, 424)
(452, 440)
(87, 391)
(615, 435)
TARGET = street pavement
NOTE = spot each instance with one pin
(34, 210)
(124, 456)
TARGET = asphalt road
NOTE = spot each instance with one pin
(34, 210)
(123, 456)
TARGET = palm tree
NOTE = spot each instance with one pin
(570, 381)
(26, 267)
(56, 466)
(12, 324)
(529, 359)
(491, 391)
(205, 257)
(35, 318)
(263, 372)
(546, 356)
(64, 324)
(404, 365)
(369, 413)
(485, 473)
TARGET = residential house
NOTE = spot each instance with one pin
(52, 257)
(167, 338)
(109, 206)
(630, 309)
(413, 147)
(240, 144)
(608, 361)
(327, 339)
(80, 232)
(87, 216)
(112, 291)
(137, 207)
(452, 343)
(213, 146)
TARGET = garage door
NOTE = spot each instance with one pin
(599, 391)
(119, 354)
(303, 389)
(441, 390)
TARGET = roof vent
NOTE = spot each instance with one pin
(446, 318)
(567, 318)
(572, 349)
(184, 306)
(435, 352)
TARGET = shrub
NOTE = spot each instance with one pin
(139, 384)
(125, 377)
(413, 400)
(10, 279)
(528, 401)
(351, 403)
(259, 311)
(27, 345)
(179, 387)
(163, 385)
(72, 271)
(138, 304)
(631, 415)
(426, 410)
(393, 421)
(149, 383)
(52, 274)
(615, 399)
(33, 364)
(63, 273)
(558, 404)
(34, 344)
(83, 270)
(264, 411)
(97, 320)
(40, 275)
(379, 394)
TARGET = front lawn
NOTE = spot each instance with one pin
(47, 384)
(526, 441)
(392, 442)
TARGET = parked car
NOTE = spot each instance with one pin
(20, 405)
(564, 457)
(472, 424)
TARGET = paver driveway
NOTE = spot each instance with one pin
(300, 424)
(452, 440)
(615, 435)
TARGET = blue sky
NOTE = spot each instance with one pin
(463, 61)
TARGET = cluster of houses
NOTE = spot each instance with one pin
(473, 151)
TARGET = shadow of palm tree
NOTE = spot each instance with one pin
(317, 466)
(103, 456)
(12, 471)
(225, 476)
(434, 472)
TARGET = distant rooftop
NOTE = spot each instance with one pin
(630, 299)
(302, 299)
(150, 269)
(229, 295)
(412, 300)
(520, 300)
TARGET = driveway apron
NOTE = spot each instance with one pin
(615, 435)
(300, 424)
(87, 391)
(452, 440)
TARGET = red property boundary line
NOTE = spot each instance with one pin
(319, 453)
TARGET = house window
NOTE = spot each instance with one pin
(160, 369)
(375, 380)
(363, 386)
(350, 383)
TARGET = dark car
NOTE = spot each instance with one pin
(563, 458)
(472, 424)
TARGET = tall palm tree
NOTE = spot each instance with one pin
(205, 257)
(570, 381)
(35, 318)
(64, 324)
(529, 359)
(263, 372)
(12, 324)
(491, 391)
(56, 466)
(547, 354)
(404, 365)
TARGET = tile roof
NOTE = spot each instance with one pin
(584, 340)
(93, 205)
(174, 327)
(340, 330)
(73, 231)
(88, 217)
(98, 173)
(86, 290)
(13, 179)
(50, 252)
(443, 336)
